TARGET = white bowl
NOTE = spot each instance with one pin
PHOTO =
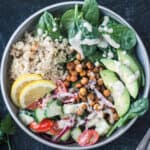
(28, 25)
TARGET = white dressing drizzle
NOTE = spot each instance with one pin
(102, 43)
(133, 77)
(105, 21)
(90, 42)
(88, 26)
(75, 43)
(118, 88)
(113, 43)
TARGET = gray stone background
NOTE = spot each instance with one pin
(136, 12)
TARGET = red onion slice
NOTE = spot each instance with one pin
(104, 100)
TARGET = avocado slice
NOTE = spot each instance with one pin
(118, 90)
(132, 63)
(126, 75)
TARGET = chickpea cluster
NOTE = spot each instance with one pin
(80, 72)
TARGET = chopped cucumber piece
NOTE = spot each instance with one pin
(53, 109)
(102, 127)
(69, 108)
(75, 133)
(26, 119)
(92, 122)
(39, 114)
(66, 136)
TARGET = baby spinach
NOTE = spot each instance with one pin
(91, 12)
(67, 19)
(48, 25)
(138, 108)
(96, 56)
(124, 36)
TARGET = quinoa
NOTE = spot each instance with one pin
(39, 55)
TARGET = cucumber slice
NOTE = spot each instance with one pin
(26, 119)
(92, 122)
(75, 133)
(102, 127)
(39, 114)
(69, 108)
(66, 136)
(53, 109)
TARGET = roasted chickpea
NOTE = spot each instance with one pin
(96, 106)
(76, 62)
(83, 91)
(78, 85)
(78, 56)
(70, 66)
(66, 83)
(106, 93)
(92, 76)
(100, 82)
(84, 81)
(68, 77)
(84, 106)
(92, 103)
(89, 65)
(79, 68)
(96, 70)
(79, 112)
(83, 73)
(115, 116)
(73, 78)
(73, 73)
(91, 96)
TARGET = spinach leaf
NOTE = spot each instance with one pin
(91, 12)
(48, 25)
(138, 108)
(124, 36)
(68, 18)
(96, 56)
(88, 50)
(7, 125)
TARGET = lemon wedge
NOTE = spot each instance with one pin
(19, 83)
(34, 91)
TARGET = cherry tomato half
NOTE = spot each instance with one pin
(88, 137)
(60, 87)
(44, 126)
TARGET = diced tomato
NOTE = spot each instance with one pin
(88, 137)
(60, 87)
(36, 104)
(44, 126)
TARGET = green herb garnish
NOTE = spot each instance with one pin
(6, 128)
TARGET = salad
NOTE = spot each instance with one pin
(75, 77)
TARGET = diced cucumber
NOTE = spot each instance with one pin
(75, 133)
(66, 136)
(69, 108)
(39, 114)
(92, 122)
(26, 119)
(53, 109)
(102, 127)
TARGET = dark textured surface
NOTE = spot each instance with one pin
(136, 12)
